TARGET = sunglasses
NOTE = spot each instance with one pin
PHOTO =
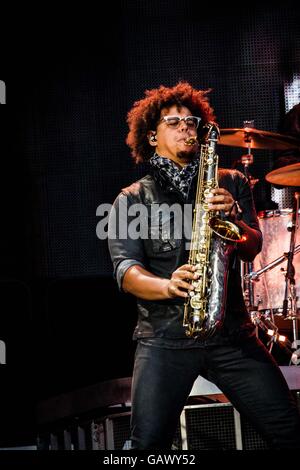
(192, 122)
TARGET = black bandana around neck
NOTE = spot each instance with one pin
(179, 178)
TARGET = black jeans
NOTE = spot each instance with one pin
(245, 372)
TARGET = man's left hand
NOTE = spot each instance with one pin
(220, 199)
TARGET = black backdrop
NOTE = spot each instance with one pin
(69, 86)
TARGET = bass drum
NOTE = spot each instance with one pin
(269, 289)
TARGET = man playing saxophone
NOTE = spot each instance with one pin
(166, 129)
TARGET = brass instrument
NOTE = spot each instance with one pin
(212, 242)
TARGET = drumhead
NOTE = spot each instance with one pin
(269, 289)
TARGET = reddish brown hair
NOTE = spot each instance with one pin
(146, 112)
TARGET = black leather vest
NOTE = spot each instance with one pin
(162, 252)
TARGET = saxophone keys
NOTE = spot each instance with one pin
(196, 317)
(196, 302)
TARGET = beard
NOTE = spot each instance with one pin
(187, 155)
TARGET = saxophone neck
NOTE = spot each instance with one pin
(213, 131)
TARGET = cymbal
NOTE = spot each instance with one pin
(249, 137)
(286, 176)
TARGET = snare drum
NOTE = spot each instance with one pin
(269, 289)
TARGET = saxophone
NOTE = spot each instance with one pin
(212, 242)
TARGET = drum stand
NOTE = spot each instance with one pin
(290, 275)
(259, 319)
(247, 267)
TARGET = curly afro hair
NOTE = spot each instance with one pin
(145, 114)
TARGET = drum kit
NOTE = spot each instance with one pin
(270, 282)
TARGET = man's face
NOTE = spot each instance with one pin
(171, 137)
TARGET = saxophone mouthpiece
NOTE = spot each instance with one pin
(191, 141)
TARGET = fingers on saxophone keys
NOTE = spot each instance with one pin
(189, 275)
(219, 207)
(220, 191)
(177, 292)
(185, 285)
(185, 267)
(216, 198)
(216, 203)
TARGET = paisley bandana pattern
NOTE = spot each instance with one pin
(179, 178)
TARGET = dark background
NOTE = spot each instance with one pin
(69, 87)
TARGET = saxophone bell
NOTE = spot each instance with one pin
(226, 230)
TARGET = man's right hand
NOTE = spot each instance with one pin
(145, 285)
(178, 285)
